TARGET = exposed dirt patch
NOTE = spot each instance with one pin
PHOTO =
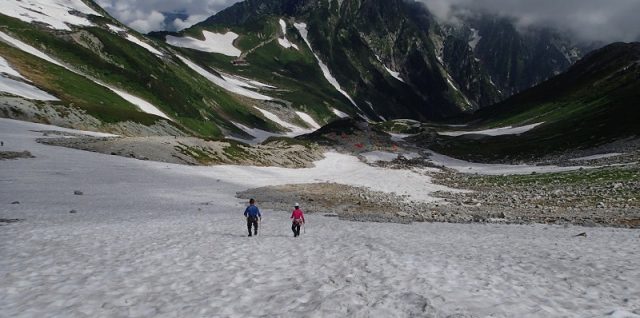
(195, 151)
(509, 199)
(7, 155)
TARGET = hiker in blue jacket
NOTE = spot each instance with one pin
(252, 213)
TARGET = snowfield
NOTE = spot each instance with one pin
(143, 44)
(151, 239)
(509, 130)
(339, 113)
(213, 43)
(19, 88)
(394, 74)
(495, 169)
(22, 89)
(57, 14)
(142, 104)
(283, 41)
(228, 83)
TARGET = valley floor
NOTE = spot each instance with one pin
(141, 238)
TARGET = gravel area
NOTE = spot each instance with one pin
(7, 155)
(601, 197)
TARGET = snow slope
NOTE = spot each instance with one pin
(509, 130)
(229, 85)
(494, 169)
(5, 68)
(57, 14)
(373, 156)
(212, 43)
(283, 41)
(144, 45)
(159, 240)
(22, 89)
(596, 157)
(394, 74)
(137, 101)
(19, 88)
(339, 113)
(308, 119)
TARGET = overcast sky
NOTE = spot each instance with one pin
(592, 20)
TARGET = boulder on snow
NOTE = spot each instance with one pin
(78, 192)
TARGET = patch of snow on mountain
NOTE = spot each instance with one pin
(509, 130)
(115, 29)
(259, 84)
(302, 28)
(22, 89)
(283, 41)
(455, 87)
(399, 137)
(5, 68)
(236, 81)
(374, 110)
(227, 85)
(139, 102)
(244, 82)
(259, 135)
(143, 44)
(308, 119)
(339, 113)
(294, 130)
(286, 43)
(57, 14)
(213, 43)
(596, 157)
(394, 74)
(494, 169)
(283, 27)
(374, 156)
(475, 38)
(28, 48)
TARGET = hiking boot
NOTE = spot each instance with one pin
(249, 234)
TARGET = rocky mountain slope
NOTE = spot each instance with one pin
(258, 68)
(395, 60)
(593, 104)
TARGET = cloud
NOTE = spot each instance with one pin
(147, 15)
(179, 24)
(589, 20)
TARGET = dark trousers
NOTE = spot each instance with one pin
(252, 220)
(295, 227)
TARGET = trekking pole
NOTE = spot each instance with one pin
(304, 228)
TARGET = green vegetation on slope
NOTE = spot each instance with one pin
(594, 103)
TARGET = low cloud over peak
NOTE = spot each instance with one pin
(149, 15)
(588, 20)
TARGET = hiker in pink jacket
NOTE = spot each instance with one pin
(298, 219)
